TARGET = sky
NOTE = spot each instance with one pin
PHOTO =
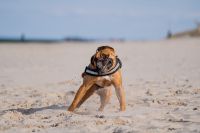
(97, 19)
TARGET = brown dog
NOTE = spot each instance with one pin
(99, 76)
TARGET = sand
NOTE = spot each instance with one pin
(161, 79)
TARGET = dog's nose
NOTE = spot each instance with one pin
(99, 64)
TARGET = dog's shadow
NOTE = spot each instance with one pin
(33, 110)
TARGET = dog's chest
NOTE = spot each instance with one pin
(104, 81)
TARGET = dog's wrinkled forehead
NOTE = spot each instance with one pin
(105, 51)
(105, 47)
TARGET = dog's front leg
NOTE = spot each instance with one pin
(117, 82)
(88, 94)
(79, 95)
(121, 97)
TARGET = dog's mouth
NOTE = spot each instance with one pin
(104, 64)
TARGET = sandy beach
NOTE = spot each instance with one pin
(161, 79)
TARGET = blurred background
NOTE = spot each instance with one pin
(97, 20)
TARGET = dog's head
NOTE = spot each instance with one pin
(104, 59)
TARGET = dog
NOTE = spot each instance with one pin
(103, 71)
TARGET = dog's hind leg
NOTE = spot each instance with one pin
(88, 94)
(105, 94)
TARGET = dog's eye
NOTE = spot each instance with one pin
(105, 55)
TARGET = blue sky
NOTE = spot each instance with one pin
(128, 19)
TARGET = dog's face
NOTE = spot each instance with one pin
(104, 59)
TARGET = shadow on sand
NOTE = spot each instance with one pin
(33, 110)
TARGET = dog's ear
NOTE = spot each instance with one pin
(92, 60)
(97, 54)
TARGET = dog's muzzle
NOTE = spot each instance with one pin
(104, 64)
